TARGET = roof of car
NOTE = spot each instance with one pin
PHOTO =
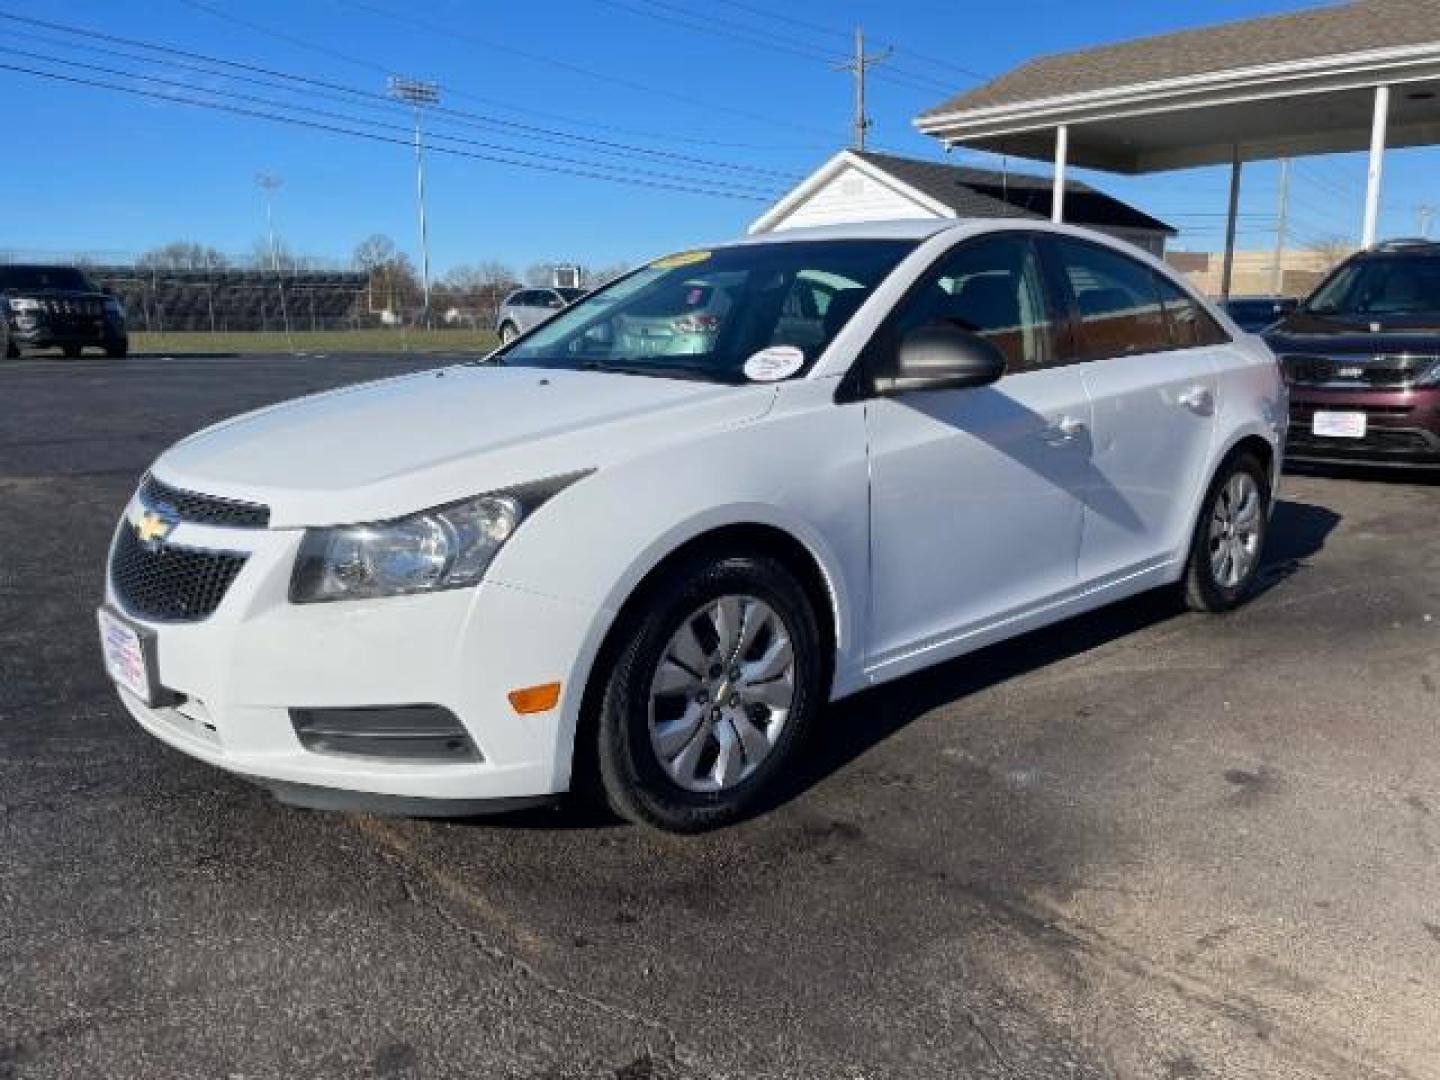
(900, 229)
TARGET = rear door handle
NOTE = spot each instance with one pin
(1064, 430)
(1197, 399)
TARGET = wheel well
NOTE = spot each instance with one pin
(726, 540)
(1254, 444)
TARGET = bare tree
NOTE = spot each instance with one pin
(393, 284)
(182, 255)
(478, 288)
(1331, 249)
(375, 251)
(594, 277)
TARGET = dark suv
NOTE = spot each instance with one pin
(1362, 357)
(58, 307)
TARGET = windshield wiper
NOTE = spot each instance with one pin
(629, 367)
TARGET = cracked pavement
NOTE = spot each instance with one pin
(1140, 844)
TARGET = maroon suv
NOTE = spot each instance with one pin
(1362, 357)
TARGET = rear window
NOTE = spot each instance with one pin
(44, 278)
(675, 300)
(1117, 300)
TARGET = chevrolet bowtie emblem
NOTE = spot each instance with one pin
(152, 528)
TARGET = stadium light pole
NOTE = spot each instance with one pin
(418, 95)
(268, 183)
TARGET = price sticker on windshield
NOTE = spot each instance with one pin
(773, 364)
(684, 258)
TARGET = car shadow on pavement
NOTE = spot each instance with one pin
(1298, 531)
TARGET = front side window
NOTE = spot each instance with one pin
(703, 314)
(1116, 302)
(992, 287)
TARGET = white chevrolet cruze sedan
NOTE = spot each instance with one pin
(643, 545)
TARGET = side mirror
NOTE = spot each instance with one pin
(940, 357)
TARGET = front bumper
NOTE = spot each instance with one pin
(48, 332)
(234, 677)
(1402, 427)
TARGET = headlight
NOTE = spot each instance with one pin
(1429, 376)
(24, 305)
(449, 547)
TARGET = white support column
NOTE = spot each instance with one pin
(1377, 163)
(1062, 152)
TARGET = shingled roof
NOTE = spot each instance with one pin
(972, 192)
(1355, 27)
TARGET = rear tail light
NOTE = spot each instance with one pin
(696, 324)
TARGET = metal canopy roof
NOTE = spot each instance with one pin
(1266, 88)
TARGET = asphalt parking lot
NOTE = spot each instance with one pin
(1140, 844)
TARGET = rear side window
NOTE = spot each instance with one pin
(1117, 303)
(1190, 324)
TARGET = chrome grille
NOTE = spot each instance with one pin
(1357, 372)
(202, 509)
(167, 583)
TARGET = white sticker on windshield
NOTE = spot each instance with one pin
(775, 363)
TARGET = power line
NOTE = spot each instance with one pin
(451, 33)
(366, 99)
(678, 16)
(523, 110)
(323, 88)
(904, 50)
(373, 136)
(328, 114)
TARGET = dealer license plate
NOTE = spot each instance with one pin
(126, 659)
(1339, 425)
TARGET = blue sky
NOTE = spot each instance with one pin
(738, 100)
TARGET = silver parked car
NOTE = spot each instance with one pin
(525, 308)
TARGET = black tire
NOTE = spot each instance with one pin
(12, 351)
(71, 351)
(118, 352)
(632, 777)
(1204, 589)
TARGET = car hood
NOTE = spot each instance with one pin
(1302, 331)
(383, 449)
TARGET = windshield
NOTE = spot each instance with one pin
(703, 314)
(41, 278)
(570, 295)
(1392, 285)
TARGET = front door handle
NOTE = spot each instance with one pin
(1197, 399)
(1065, 430)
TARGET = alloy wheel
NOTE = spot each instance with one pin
(721, 693)
(1235, 531)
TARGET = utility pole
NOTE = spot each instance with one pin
(1281, 222)
(858, 66)
(418, 95)
(269, 183)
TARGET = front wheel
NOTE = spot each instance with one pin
(12, 351)
(720, 672)
(71, 351)
(118, 351)
(1229, 537)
